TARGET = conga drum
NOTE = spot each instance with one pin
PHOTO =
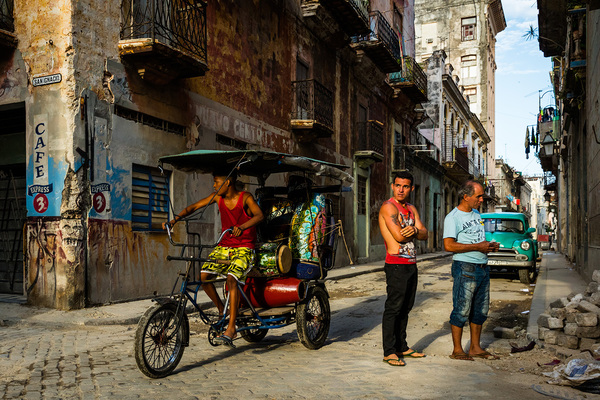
(273, 259)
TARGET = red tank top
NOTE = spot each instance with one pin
(407, 253)
(236, 217)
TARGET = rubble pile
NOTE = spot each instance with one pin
(573, 321)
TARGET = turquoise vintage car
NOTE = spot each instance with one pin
(518, 249)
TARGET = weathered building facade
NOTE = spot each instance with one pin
(90, 111)
(466, 31)
(453, 129)
(570, 144)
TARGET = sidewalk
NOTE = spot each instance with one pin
(130, 312)
(556, 279)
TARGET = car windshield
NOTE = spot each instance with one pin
(503, 225)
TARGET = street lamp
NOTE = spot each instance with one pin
(548, 144)
(547, 197)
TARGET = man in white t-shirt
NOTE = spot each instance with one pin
(465, 237)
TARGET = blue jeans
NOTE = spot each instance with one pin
(470, 293)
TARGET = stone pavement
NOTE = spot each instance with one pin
(48, 354)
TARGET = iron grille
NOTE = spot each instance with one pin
(180, 24)
(369, 136)
(411, 72)
(382, 31)
(312, 101)
(7, 22)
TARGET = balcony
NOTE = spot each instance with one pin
(381, 44)
(312, 110)
(8, 40)
(369, 142)
(164, 39)
(552, 24)
(549, 181)
(411, 81)
(351, 17)
(457, 164)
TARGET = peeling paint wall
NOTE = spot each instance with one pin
(79, 252)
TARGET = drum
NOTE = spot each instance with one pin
(273, 259)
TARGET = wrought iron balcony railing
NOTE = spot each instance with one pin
(7, 22)
(179, 24)
(351, 15)
(412, 79)
(369, 136)
(312, 101)
(381, 44)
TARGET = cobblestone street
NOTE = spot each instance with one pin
(48, 362)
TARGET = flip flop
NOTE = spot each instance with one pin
(411, 355)
(485, 355)
(400, 362)
(225, 340)
(461, 356)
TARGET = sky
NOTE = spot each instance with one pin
(522, 72)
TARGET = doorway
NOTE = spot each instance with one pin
(13, 209)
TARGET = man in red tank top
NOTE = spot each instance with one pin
(240, 212)
(400, 225)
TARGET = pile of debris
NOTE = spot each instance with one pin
(573, 321)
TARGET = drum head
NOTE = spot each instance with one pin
(284, 259)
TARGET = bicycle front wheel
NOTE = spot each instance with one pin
(159, 340)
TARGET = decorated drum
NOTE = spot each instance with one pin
(309, 229)
(273, 259)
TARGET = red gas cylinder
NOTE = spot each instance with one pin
(274, 292)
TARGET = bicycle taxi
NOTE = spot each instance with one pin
(297, 246)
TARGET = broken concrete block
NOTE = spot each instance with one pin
(586, 319)
(596, 276)
(595, 298)
(504, 333)
(571, 313)
(560, 313)
(586, 343)
(562, 302)
(588, 332)
(555, 323)
(568, 341)
(542, 332)
(575, 297)
(571, 328)
(551, 336)
(543, 320)
(592, 287)
(586, 306)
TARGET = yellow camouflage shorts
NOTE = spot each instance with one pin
(242, 259)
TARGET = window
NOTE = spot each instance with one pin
(503, 225)
(468, 28)
(149, 198)
(468, 66)
(472, 94)
(362, 195)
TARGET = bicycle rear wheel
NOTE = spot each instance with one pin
(160, 340)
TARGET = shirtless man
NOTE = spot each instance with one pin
(240, 212)
(400, 225)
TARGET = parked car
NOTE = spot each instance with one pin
(518, 250)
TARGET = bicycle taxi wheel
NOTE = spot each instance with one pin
(312, 318)
(159, 340)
